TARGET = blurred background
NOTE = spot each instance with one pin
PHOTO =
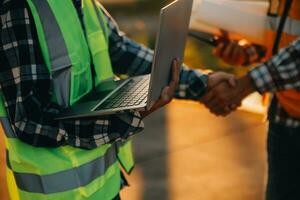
(139, 20)
(185, 152)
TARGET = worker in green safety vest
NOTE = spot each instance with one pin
(52, 53)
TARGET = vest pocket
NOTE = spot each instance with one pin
(61, 76)
(81, 83)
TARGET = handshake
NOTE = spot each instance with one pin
(225, 92)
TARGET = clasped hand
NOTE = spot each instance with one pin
(224, 93)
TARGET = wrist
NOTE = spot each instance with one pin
(205, 82)
(246, 86)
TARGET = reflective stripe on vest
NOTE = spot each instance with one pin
(58, 54)
(91, 179)
(68, 179)
(66, 172)
(75, 58)
(65, 180)
(292, 26)
(97, 38)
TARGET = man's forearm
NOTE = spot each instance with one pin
(281, 72)
(245, 86)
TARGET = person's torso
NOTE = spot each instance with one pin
(69, 46)
(288, 99)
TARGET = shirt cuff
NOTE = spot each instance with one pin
(133, 123)
(192, 84)
(262, 79)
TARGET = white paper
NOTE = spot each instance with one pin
(245, 18)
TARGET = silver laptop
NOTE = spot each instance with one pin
(141, 92)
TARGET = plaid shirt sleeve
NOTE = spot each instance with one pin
(281, 72)
(26, 85)
(131, 58)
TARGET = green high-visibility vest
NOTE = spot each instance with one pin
(68, 50)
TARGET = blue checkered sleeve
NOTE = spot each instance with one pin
(281, 72)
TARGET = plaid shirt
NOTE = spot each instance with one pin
(26, 84)
(281, 72)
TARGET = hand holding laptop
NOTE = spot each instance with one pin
(168, 91)
(144, 93)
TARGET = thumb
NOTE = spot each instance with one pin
(231, 80)
(219, 77)
(165, 94)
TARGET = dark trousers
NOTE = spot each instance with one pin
(284, 163)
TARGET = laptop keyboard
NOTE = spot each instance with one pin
(133, 93)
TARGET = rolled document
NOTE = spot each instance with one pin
(246, 19)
